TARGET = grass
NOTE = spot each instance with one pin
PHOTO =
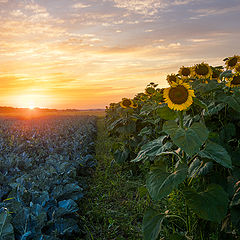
(113, 207)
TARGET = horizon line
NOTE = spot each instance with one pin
(55, 109)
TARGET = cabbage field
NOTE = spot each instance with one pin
(43, 162)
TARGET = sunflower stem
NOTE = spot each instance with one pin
(181, 118)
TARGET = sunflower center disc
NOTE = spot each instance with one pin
(172, 79)
(236, 80)
(150, 90)
(202, 70)
(232, 62)
(215, 74)
(185, 72)
(178, 95)
(126, 103)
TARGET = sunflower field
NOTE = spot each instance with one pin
(185, 140)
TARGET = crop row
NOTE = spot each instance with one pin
(186, 137)
(41, 164)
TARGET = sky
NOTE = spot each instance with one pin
(88, 53)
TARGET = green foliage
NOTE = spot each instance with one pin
(152, 223)
(160, 183)
(6, 228)
(152, 149)
(164, 112)
(200, 103)
(121, 156)
(189, 139)
(217, 153)
(113, 206)
(193, 156)
(198, 167)
(210, 205)
(233, 101)
(41, 162)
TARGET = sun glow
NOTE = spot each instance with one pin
(31, 107)
(29, 101)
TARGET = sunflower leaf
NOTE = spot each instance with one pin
(170, 127)
(209, 205)
(200, 103)
(152, 223)
(217, 153)
(121, 156)
(190, 139)
(166, 113)
(160, 183)
(152, 149)
(233, 101)
(213, 109)
(198, 168)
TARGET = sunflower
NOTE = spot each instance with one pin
(178, 96)
(202, 70)
(185, 72)
(232, 61)
(234, 81)
(111, 106)
(135, 105)
(216, 73)
(150, 90)
(126, 103)
(173, 78)
(140, 97)
(237, 67)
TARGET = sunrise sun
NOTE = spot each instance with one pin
(29, 101)
(31, 107)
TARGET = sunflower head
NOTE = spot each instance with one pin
(231, 62)
(111, 105)
(185, 72)
(202, 70)
(237, 67)
(178, 96)
(216, 71)
(173, 78)
(160, 90)
(234, 81)
(138, 96)
(143, 98)
(135, 105)
(126, 103)
(150, 90)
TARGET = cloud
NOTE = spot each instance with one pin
(169, 46)
(211, 11)
(148, 7)
(80, 5)
(17, 13)
(199, 40)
